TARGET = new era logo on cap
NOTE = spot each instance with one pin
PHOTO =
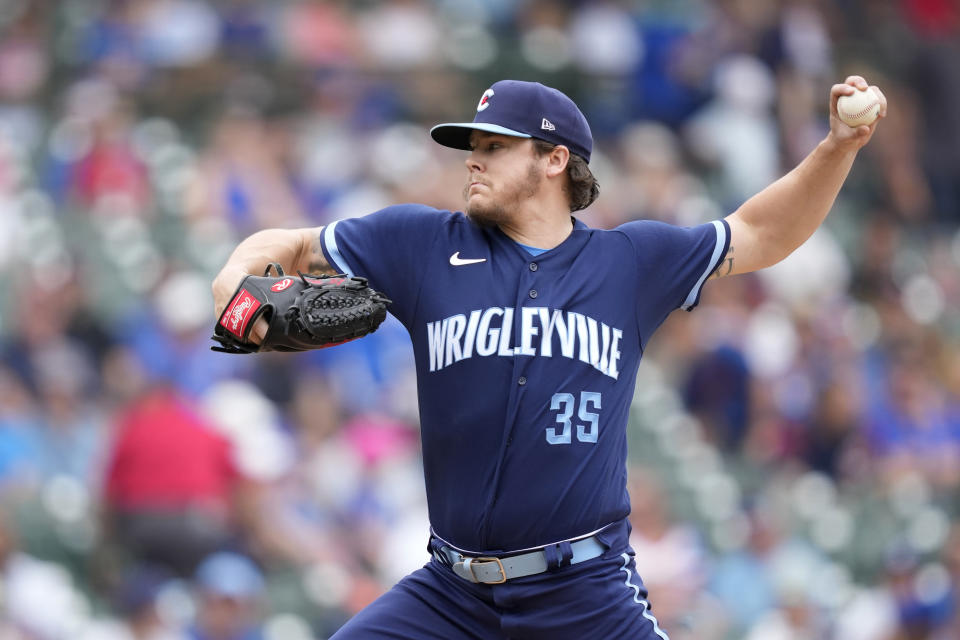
(524, 110)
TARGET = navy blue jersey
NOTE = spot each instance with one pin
(526, 365)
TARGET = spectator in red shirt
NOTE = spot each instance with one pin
(171, 484)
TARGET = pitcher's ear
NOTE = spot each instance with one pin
(557, 160)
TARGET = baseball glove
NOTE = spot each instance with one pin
(309, 312)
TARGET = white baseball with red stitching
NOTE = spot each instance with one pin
(860, 108)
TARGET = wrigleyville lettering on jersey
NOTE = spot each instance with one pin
(489, 332)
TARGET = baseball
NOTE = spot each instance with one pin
(859, 108)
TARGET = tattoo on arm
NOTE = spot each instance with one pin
(318, 264)
(725, 267)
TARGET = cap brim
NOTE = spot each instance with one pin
(457, 134)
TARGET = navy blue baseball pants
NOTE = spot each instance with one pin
(599, 599)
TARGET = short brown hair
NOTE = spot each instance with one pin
(582, 188)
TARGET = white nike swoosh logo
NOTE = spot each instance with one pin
(457, 261)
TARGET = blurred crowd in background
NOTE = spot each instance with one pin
(795, 443)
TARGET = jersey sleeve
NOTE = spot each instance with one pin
(673, 262)
(386, 247)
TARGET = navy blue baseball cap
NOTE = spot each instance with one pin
(524, 110)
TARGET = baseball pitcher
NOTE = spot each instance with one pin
(527, 328)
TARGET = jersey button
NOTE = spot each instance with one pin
(534, 266)
(522, 380)
(533, 293)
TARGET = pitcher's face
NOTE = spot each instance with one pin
(504, 171)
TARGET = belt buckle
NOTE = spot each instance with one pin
(503, 572)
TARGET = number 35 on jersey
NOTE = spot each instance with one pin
(588, 425)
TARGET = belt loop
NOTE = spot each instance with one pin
(551, 556)
(558, 555)
(435, 548)
(551, 553)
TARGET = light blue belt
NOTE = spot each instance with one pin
(490, 570)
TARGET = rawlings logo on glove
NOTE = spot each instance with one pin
(312, 312)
